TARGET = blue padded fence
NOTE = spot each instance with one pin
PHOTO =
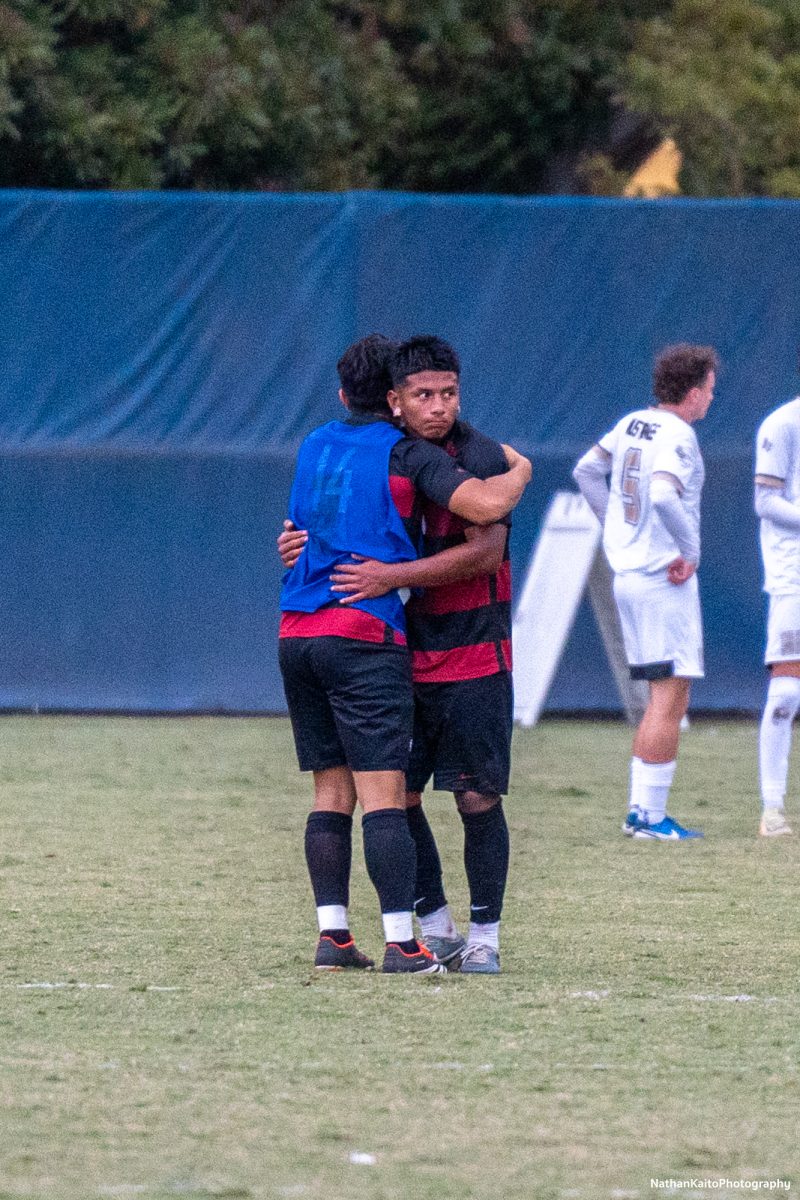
(164, 354)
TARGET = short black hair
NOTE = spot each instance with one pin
(423, 353)
(680, 368)
(364, 373)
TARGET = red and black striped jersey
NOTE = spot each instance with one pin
(461, 630)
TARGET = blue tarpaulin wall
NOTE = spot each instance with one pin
(163, 354)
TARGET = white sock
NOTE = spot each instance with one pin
(332, 916)
(439, 923)
(655, 782)
(484, 935)
(635, 793)
(397, 926)
(775, 738)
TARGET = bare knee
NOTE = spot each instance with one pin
(657, 737)
(380, 789)
(334, 791)
(669, 698)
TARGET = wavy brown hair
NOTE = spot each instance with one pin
(680, 368)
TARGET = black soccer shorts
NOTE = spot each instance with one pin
(350, 702)
(462, 735)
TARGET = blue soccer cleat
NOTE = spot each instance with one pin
(666, 830)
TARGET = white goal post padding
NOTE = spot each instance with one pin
(566, 560)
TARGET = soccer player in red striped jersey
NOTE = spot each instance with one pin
(335, 719)
(459, 634)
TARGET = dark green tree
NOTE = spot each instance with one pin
(446, 95)
(515, 96)
(723, 77)
(511, 95)
(159, 93)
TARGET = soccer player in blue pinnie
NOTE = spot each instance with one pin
(459, 635)
(345, 667)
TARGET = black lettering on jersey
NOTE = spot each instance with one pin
(643, 429)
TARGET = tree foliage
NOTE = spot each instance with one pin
(514, 96)
(723, 77)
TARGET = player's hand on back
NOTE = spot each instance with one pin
(680, 570)
(362, 579)
(291, 543)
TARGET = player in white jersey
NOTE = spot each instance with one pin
(777, 503)
(651, 536)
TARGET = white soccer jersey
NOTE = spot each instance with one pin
(778, 454)
(641, 444)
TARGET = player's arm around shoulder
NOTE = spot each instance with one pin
(485, 501)
(484, 457)
(479, 501)
(478, 453)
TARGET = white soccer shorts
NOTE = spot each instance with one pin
(661, 625)
(783, 629)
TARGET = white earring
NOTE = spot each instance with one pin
(395, 412)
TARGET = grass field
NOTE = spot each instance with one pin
(162, 1033)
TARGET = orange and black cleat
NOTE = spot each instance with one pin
(335, 956)
(397, 961)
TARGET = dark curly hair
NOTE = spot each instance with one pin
(680, 368)
(364, 373)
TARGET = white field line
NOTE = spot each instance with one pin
(743, 998)
(710, 998)
(76, 985)
(62, 983)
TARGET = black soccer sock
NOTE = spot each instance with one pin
(429, 890)
(329, 851)
(391, 858)
(411, 947)
(486, 862)
(340, 937)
